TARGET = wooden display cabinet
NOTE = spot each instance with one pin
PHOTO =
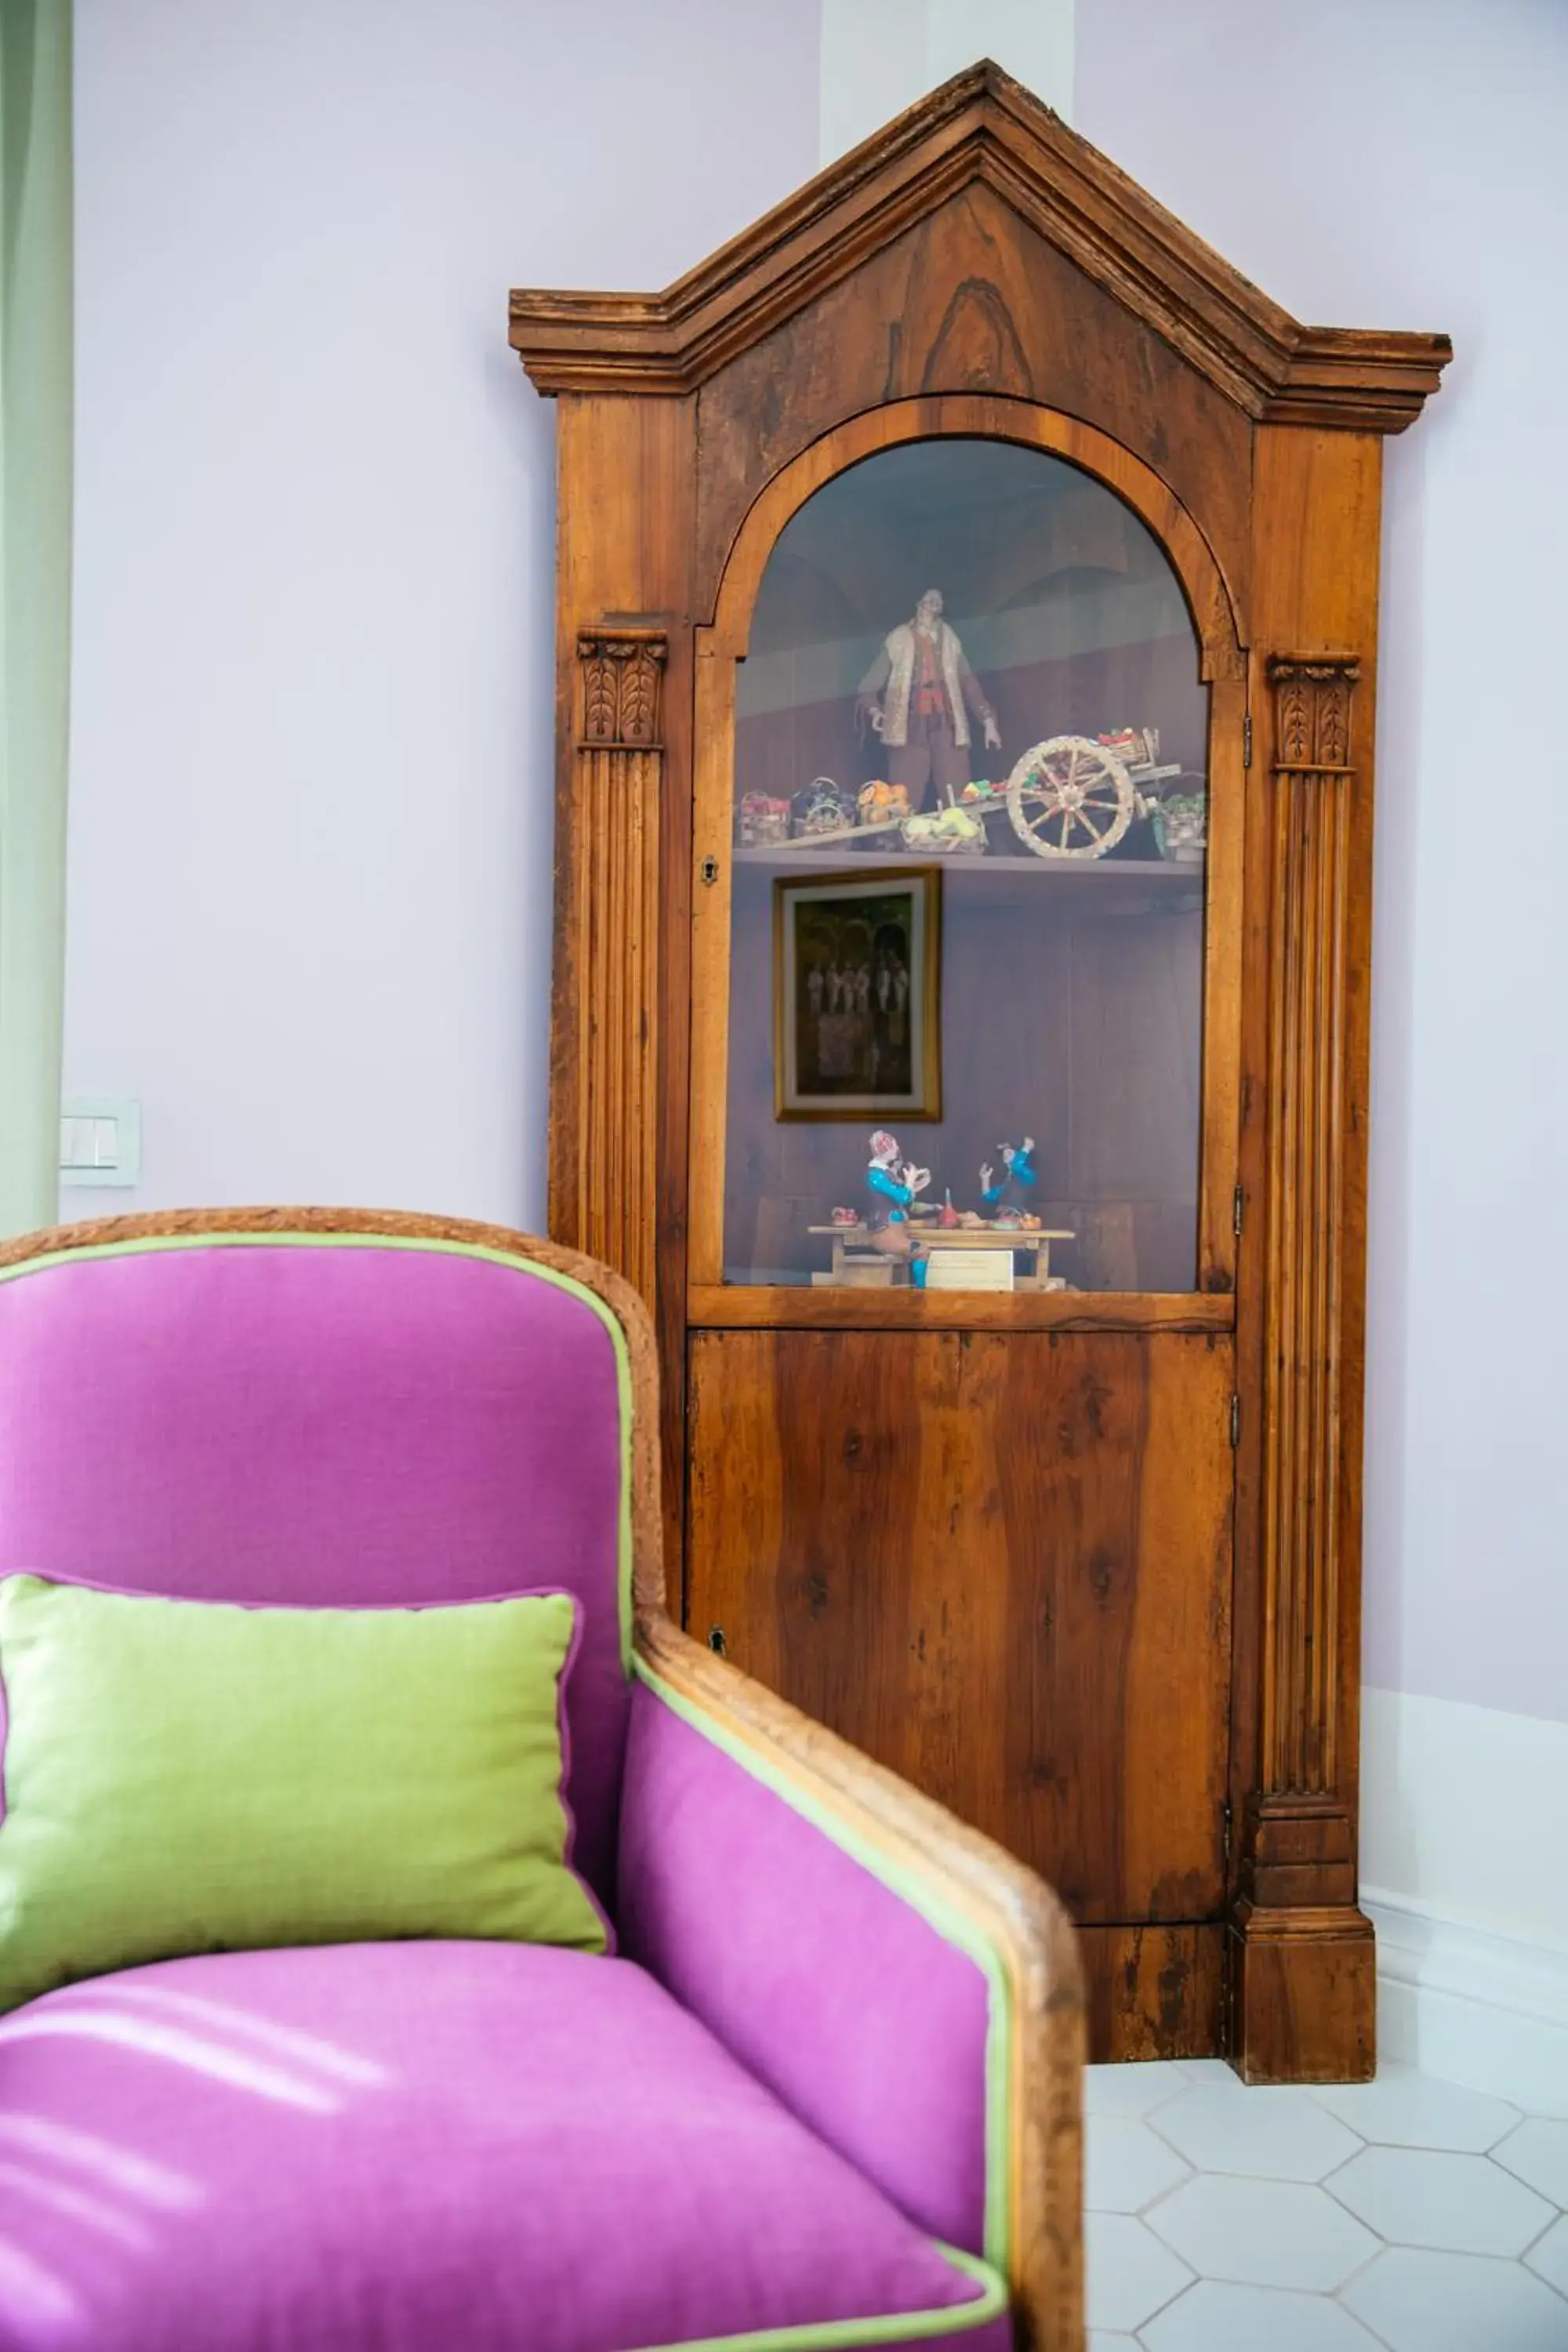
(1081, 1556)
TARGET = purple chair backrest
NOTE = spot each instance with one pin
(329, 1420)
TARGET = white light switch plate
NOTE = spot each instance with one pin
(101, 1139)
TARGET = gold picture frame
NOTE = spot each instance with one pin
(858, 994)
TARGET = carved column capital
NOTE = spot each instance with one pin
(622, 681)
(1312, 712)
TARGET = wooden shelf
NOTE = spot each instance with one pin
(794, 856)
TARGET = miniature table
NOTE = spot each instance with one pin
(1032, 1241)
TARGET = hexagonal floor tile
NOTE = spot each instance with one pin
(1215, 2317)
(1459, 2204)
(1405, 2109)
(1130, 2090)
(1551, 2257)
(1277, 2135)
(1263, 2232)
(1129, 2274)
(1126, 2166)
(1538, 2152)
(1423, 2302)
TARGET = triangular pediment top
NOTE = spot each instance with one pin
(981, 126)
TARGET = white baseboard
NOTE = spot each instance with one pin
(1469, 2007)
(1465, 1877)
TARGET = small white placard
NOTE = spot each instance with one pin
(969, 1269)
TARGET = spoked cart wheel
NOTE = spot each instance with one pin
(1070, 798)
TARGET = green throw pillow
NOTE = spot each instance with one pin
(189, 1776)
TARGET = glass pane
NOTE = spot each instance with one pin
(966, 959)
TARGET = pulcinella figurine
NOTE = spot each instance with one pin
(893, 1184)
(1006, 1194)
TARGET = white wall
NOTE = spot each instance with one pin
(310, 793)
(1405, 165)
(879, 56)
(1404, 162)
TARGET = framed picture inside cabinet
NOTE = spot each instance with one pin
(857, 995)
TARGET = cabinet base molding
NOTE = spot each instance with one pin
(1155, 1992)
(1304, 1995)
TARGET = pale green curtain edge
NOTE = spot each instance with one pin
(36, 401)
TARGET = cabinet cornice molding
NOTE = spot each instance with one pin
(982, 126)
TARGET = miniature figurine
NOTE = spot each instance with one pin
(893, 1184)
(762, 820)
(918, 695)
(1018, 1177)
(845, 1217)
(947, 1220)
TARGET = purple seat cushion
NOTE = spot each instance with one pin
(825, 1984)
(417, 2147)
(343, 1425)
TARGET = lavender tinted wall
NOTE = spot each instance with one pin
(309, 837)
(1407, 165)
(311, 786)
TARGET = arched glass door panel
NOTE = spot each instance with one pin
(967, 910)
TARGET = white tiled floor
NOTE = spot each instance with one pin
(1405, 2215)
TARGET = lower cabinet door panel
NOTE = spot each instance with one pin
(1001, 1564)
(1154, 1992)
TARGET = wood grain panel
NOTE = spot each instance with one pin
(1001, 1565)
(1300, 1326)
(607, 1134)
(624, 479)
(1309, 837)
(1154, 1992)
(970, 299)
(1305, 2000)
(745, 1307)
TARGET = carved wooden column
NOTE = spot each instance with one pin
(1305, 1987)
(603, 1092)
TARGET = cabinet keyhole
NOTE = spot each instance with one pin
(716, 1639)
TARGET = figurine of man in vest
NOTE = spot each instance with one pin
(920, 695)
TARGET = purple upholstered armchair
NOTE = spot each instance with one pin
(826, 2092)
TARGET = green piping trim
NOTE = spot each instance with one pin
(899, 2327)
(950, 1923)
(153, 1244)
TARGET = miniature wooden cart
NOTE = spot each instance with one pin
(1071, 797)
(1068, 797)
